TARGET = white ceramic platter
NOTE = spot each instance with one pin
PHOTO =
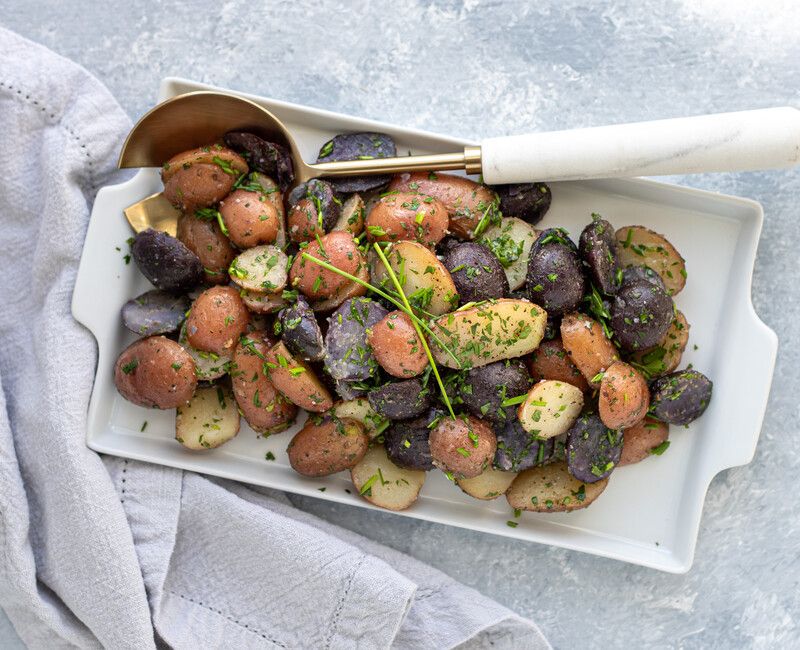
(650, 512)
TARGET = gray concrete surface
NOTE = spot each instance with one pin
(479, 68)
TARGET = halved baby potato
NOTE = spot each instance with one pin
(587, 345)
(296, 380)
(261, 268)
(359, 409)
(209, 420)
(511, 241)
(271, 190)
(624, 396)
(425, 280)
(352, 217)
(666, 356)
(639, 246)
(550, 408)
(207, 365)
(262, 302)
(551, 488)
(489, 331)
(383, 483)
(488, 485)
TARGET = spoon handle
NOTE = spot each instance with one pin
(746, 140)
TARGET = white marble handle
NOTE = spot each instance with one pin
(760, 139)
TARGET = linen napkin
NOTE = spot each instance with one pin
(99, 551)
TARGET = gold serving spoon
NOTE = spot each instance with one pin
(746, 140)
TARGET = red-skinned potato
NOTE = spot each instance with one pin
(303, 222)
(551, 361)
(264, 408)
(641, 439)
(296, 380)
(407, 216)
(205, 239)
(624, 396)
(587, 346)
(217, 318)
(338, 249)
(325, 447)
(396, 346)
(199, 178)
(155, 372)
(465, 200)
(464, 446)
(250, 217)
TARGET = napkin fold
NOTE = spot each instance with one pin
(106, 552)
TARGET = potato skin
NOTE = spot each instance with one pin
(555, 277)
(217, 319)
(199, 186)
(587, 345)
(311, 203)
(250, 217)
(667, 354)
(641, 438)
(624, 396)
(155, 372)
(264, 408)
(327, 447)
(407, 216)
(641, 314)
(551, 361)
(484, 388)
(465, 200)
(552, 489)
(476, 272)
(449, 435)
(681, 397)
(598, 250)
(396, 346)
(315, 282)
(296, 380)
(527, 201)
(266, 157)
(205, 239)
(166, 261)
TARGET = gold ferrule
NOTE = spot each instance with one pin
(472, 160)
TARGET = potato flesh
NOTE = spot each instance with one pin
(359, 409)
(383, 483)
(551, 408)
(510, 232)
(488, 485)
(551, 488)
(262, 268)
(488, 332)
(352, 217)
(209, 420)
(420, 274)
(207, 365)
(641, 246)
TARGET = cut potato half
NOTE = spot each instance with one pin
(207, 365)
(296, 380)
(639, 246)
(360, 410)
(551, 488)
(511, 241)
(488, 485)
(209, 420)
(550, 408)
(261, 268)
(383, 483)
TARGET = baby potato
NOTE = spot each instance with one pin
(624, 396)
(266, 410)
(338, 249)
(359, 409)
(262, 302)
(396, 345)
(205, 239)
(350, 290)
(270, 189)
(352, 217)
(640, 246)
(551, 488)
(407, 216)
(262, 268)
(302, 221)
(666, 356)
(643, 439)
(551, 361)
(250, 217)
(487, 485)
(296, 380)
(327, 446)
(550, 408)
(217, 318)
(511, 241)
(155, 372)
(209, 420)
(199, 178)
(463, 447)
(465, 200)
(383, 483)
(587, 346)
(207, 365)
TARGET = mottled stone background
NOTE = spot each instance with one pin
(477, 68)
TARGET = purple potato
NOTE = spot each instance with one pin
(518, 450)
(348, 357)
(680, 397)
(598, 250)
(401, 400)
(300, 330)
(483, 389)
(641, 314)
(348, 390)
(269, 158)
(166, 261)
(358, 146)
(593, 450)
(631, 274)
(155, 312)
(555, 278)
(476, 272)
(407, 443)
(527, 201)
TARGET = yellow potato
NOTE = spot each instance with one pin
(208, 420)
(383, 483)
(639, 246)
(551, 488)
(550, 408)
(487, 485)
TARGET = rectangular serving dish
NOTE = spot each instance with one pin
(650, 512)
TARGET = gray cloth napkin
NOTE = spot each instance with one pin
(99, 551)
